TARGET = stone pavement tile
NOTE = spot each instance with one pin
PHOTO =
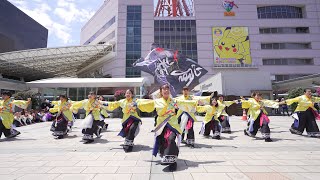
(67, 170)
(143, 163)
(293, 176)
(111, 158)
(56, 158)
(289, 162)
(223, 169)
(263, 157)
(238, 176)
(7, 164)
(75, 177)
(33, 170)
(292, 157)
(191, 169)
(157, 168)
(10, 176)
(30, 163)
(112, 177)
(287, 169)
(101, 170)
(8, 170)
(30, 158)
(259, 162)
(4, 155)
(254, 169)
(133, 170)
(210, 176)
(38, 177)
(266, 176)
(140, 177)
(237, 157)
(122, 163)
(213, 158)
(91, 163)
(312, 176)
(311, 168)
(61, 163)
(182, 176)
(168, 176)
(311, 162)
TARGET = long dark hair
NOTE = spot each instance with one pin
(213, 98)
(162, 87)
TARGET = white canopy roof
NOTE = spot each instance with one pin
(87, 82)
(33, 64)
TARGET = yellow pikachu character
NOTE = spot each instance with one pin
(230, 47)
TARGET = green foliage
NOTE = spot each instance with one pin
(24, 95)
(295, 93)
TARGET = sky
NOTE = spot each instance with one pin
(63, 18)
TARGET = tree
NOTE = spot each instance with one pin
(295, 93)
(24, 95)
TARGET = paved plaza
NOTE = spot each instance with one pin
(36, 155)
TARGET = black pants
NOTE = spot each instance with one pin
(213, 126)
(60, 128)
(88, 133)
(4, 130)
(130, 135)
(168, 147)
(306, 121)
(225, 124)
(285, 110)
(265, 130)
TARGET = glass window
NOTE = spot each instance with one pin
(285, 46)
(279, 12)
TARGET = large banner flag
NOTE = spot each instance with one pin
(171, 67)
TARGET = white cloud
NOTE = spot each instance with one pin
(40, 13)
(69, 12)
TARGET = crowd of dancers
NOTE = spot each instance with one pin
(175, 118)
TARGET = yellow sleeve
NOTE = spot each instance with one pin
(245, 104)
(187, 105)
(21, 104)
(270, 103)
(316, 99)
(202, 99)
(291, 101)
(54, 102)
(202, 109)
(146, 105)
(228, 103)
(113, 105)
(77, 105)
(54, 110)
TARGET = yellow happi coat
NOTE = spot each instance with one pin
(62, 107)
(211, 113)
(255, 107)
(129, 109)
(304, 102)
(94, 106)
(203, 99)
(166, 109)
(6, 110)
(221, 110)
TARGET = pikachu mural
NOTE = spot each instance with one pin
(231, 45)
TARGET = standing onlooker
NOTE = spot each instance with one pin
(284, 108)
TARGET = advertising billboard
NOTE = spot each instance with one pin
(231, 45)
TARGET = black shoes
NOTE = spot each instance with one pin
(268, 140)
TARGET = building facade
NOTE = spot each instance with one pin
(281, 37)
(18, 31)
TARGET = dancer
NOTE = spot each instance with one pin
(131, 121)
(305, 114)
(258, 118)
(103, 116)
(167, 131)
(222, 114)
(63, 117)
(90, 124)
(210, 122)
(187, 119)
(6, 114)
